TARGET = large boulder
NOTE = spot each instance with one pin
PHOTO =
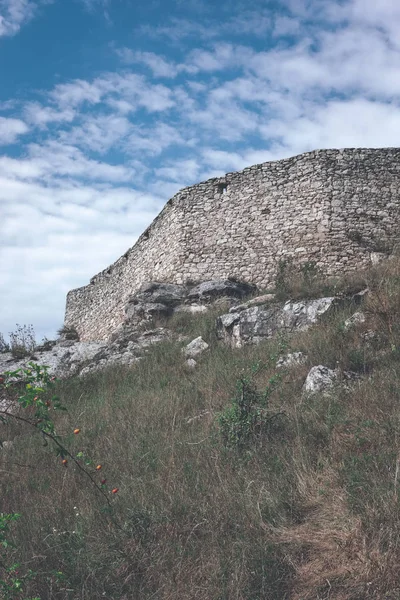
(209, 291)
(169, 294)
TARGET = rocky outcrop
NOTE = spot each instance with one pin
(254, 324)
(67, 358)
(247, 322)
(131, 339)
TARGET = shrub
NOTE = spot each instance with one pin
(247, 418)
(22, 341)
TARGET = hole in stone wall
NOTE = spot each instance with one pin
(222, 188)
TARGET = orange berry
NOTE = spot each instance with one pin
(98, 467)
(115, 490)
(65, 462)
(76, 431)
(36, 398)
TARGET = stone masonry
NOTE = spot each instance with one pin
(336, 208)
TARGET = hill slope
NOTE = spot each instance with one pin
(233, 482)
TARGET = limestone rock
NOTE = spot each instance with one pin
(191, 308)
(68, 358)
(356, 319)
(252, 325)
(220, 288)
(147, 311)
(191, 363)
(170, 294)
(195, 348)
(320, 379)
(253, 302)
(301, 314)
(291, 360)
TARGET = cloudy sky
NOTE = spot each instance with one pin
(108, 107)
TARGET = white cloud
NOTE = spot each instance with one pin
(11, 129)
(55, 237)
(182, 171)
(54, 159)
(158, 65)
(339, 124)
(127, 90)
(41, 116)
(14, 14)
(73, 94)
(154, 140)
(92, 5)
(98, 133)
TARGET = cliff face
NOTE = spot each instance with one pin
(332, 207)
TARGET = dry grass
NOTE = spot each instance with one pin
(306, 510)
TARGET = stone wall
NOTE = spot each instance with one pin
(333, 207)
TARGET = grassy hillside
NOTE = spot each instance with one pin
(232, 484)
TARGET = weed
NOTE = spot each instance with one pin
(22, 341)
(247, 418)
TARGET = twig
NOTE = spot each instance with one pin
(63, 450)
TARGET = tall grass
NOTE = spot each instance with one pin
(308, 509)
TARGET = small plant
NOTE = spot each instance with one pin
(22, 341)
(247, 418)
(68, 333)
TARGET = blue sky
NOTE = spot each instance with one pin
(108, 107)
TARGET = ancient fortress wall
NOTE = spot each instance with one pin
(332, 207)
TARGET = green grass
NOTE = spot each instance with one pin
(305, 509)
